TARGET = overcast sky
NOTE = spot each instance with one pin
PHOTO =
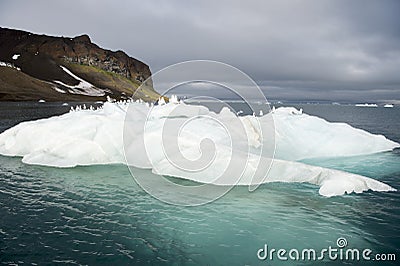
(332, 50)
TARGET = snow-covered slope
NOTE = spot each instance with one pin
(84, 87)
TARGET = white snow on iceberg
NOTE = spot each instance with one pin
(304, 136)
(88, 137)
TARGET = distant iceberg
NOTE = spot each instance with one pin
(388, 106)
(90, 137)
(366, 105)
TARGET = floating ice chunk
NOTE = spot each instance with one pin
(42, 101)
(89, 137)
(388, 106)
(15, 57)
(366, 105)
(297, 136)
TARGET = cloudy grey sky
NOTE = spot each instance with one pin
(329, 50)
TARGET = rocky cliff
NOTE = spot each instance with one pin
(36, 67)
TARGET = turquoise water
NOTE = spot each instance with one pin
(98, 215)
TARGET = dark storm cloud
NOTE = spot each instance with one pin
(293, 49)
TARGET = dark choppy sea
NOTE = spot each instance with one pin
(98, 215)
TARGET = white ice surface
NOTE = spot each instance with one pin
(366, 105)
(304, 136)
(88, 137)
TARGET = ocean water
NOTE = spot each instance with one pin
(99, 215)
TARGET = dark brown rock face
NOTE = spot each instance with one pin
(41, 56)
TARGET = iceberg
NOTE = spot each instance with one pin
(366, 105)
(88, 137)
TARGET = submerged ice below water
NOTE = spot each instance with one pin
(98, 215)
